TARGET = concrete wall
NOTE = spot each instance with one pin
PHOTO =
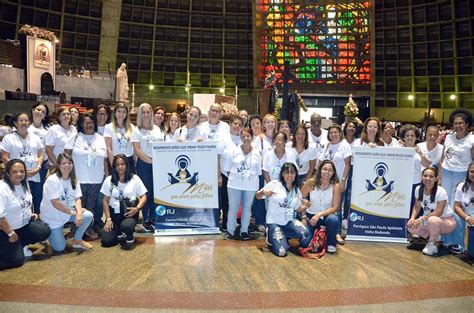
(11, 78)
(85, 87)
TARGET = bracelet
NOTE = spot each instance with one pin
(11, 234)
(467, 217)
(108, 219)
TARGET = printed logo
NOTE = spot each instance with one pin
(380, 182)
(183, 175)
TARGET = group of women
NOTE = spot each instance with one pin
(100, 176)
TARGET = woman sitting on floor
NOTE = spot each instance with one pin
(62, 204)
(438, 216)
(283, 205)
(124, 196)
(324, 195)
(18, 225)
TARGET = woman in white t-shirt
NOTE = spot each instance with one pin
(243, 166)
(143, 137)
(274, 159)
(172, 124)
(324, 195)
(387, 135)
(124, 196)
(464, 206)
(18, 226)
(89, 152)
(102, 117)
(159, 118)
(191, 131)
(39, 126)
(118, 135)
(283, 205)
(438, 216)
(62, 204)
(58, 135)
(430, 150)
(458, 154)
(29, 148)
(371, 135)
(305, 153)
(410, 135)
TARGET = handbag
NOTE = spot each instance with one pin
(318, 245)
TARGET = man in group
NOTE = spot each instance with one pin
(317, 135)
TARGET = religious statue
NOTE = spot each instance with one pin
(271, 83)
(122, 84)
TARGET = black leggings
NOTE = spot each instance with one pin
(11, 254)
(121, 224)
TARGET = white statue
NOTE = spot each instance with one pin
(122, 84)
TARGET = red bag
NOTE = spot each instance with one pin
(318, 245)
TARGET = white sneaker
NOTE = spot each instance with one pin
(345, 224)
(332, 249)
(27, 252)
(261, 228)
(430, 249)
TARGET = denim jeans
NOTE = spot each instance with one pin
(236, 197)
(258, 206)
(331, 222)
(224, 200)
(37, 194)
(56, 239)
(145, 171)
(449, 181)
(278, 235)
(470, 241)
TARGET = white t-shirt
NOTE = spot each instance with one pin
(100, 130)
(147, 137)
(133, 189)
(337, 153)
(303, 158)
(189, 134)
(25, 149)
(320, 200)
(360, 143)
(272, 164)
(88, 153)
(215, 131)
(227, 143)
(169, 137)
(427, 206)
(466, 199)
(318, 141)
(58, 188)
(57, 136)
(457, 153)
(393, 143)
(120, 142)
(243, 169)
(15, 206)
(434, 155)
(262, 144)
(282, 204)
(41, 132)
(417, 169)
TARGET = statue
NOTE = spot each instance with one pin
(271, 83)
(122, 84)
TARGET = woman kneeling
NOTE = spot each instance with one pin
(284, 202)
(438, 216)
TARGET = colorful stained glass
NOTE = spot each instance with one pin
(325, 42)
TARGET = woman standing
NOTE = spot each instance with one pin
(58, 135)
(39, 127)
(74, 116)
(124, 195)
(173, 123)
(62, 203)
(305, 153)
(371, 134)
(284, 127)
(275, 158)
(464, 206)
(18, 226)
(431, 151)
(410, 133)
(191, 131)
(159, 118)
(102, 116)
(89, 152)
(243, 165)
(324, 196)
(284, 202)
(29, 148)
(458, 154)
(387, 135)
(144, 135)
(118, 135)
(438, 216)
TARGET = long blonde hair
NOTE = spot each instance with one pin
(127, 124)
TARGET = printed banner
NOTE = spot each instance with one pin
(381, 193)
(185, 188)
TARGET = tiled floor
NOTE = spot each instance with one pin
(207, 273)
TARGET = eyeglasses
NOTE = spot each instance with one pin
(323, 170)
(372, 127)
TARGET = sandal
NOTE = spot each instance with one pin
(82, 246)
(340, 240)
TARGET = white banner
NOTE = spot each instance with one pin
(381, 193)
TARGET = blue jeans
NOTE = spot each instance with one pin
(278, 235)
(258, 206)
(236, 197)
(450, 180)
(470, 241)
(57, 240)
(331, 222)
(145, 171)
(37, 194)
